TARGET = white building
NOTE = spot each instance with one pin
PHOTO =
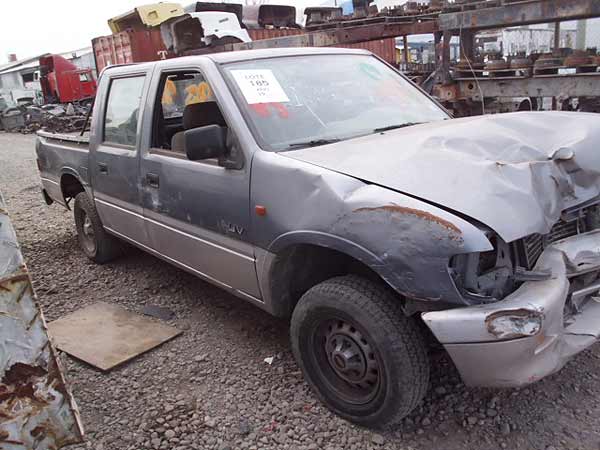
(18, 78)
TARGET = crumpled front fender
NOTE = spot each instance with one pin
(413, 240)
(408, 242)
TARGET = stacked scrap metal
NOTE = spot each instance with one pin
(54, 118)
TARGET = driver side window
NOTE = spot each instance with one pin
(185, 101)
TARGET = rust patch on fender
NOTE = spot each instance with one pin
(393, 208)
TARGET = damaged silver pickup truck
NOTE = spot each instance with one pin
(322, 185)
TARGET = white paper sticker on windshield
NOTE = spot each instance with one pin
(259, 86)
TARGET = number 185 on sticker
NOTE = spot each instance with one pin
(259, 86)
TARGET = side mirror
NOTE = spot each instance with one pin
(205, 142)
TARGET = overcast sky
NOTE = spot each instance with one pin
(32, 27)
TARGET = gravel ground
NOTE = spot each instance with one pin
(209, 388)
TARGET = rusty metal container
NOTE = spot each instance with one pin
(265, 16)
(384, 48)
(520, 62)
(128, 47)
(37, 410)
(496, 64)
(258, 34)
(579, 58)
(139, 46)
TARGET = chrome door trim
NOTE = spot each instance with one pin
(120, 208)
(208, 278)
(187, 235)
(123, 218)
(219, 241)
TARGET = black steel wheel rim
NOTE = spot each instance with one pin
(347, 360)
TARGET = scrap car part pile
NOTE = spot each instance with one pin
(53, 118)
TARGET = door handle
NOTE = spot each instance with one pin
(103, 167)
(152, 179)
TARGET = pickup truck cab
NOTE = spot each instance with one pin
(322, 185)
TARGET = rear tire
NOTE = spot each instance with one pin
(364, 358)
(95, 242)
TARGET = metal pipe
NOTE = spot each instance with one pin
(405, 51)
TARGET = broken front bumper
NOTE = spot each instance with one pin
(527, 336)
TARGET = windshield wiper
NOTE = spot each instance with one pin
(394, 127)
(314, 142)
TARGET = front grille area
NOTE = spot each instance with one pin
(531, 247)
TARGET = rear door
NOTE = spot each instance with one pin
(114, 160)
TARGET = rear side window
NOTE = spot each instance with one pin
(122, 110)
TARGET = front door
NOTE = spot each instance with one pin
(114, 163)
(197, 212)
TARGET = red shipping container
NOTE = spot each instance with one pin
(258, 34)
(139, 46)
(128, 47)
(384, 48)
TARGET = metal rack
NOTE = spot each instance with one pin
(464, 19)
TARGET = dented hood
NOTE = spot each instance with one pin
(513, 172)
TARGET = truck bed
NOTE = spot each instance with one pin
(62, 159)
(67, 137)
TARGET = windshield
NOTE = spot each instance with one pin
(302, 101)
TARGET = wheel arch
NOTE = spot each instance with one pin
(70, 185)
(300, 260)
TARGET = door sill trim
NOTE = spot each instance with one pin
(208, 278)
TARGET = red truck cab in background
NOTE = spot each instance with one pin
(63, 82)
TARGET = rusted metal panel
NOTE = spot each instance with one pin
(518, 13)
(384, 48)
(262, 16)
(317, 15)
(128, 47)
(343, 36)
(573, 85)
(37, 410)
(257, 34)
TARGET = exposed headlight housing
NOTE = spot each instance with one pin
(485, 276)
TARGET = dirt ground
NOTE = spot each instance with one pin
(210, 388)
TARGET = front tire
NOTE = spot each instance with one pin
(95, 242)
(359, 352)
